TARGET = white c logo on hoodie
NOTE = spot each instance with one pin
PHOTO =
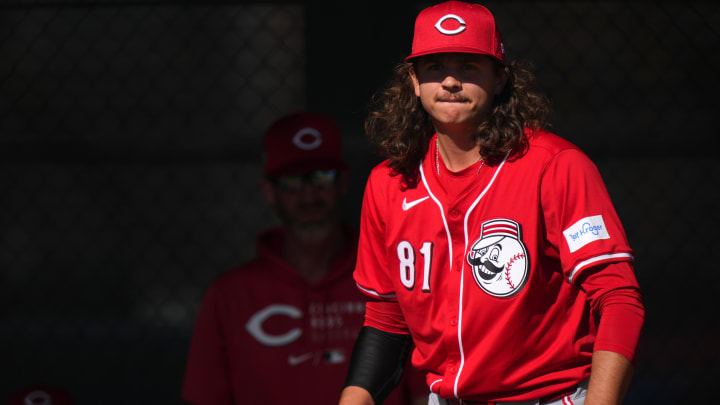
(254, 325)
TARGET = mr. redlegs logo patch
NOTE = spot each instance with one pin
(499, 259)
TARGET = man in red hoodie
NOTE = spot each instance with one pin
(280, 329)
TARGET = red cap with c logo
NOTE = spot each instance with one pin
(456, 26)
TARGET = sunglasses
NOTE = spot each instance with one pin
(319, 179)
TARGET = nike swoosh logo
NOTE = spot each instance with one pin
(407, 205)
(295, 360)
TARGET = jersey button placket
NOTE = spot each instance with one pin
(450, 333)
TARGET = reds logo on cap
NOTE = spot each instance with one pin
(456, 26)
(439, 27)
(307, 139)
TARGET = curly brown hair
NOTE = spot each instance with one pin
(401, 128)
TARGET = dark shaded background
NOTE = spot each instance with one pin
(130, 151)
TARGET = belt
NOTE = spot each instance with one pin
(455, 401)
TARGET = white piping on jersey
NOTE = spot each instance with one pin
(375, 293)
(435, 382)
(459, 334)
(460, 311)
(442, 213)
(588, 262)
(477, 200)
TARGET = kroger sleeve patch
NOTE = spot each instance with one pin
(584, 231)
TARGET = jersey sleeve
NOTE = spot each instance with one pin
(371, 271)
(581, 223)
(386, 316)
(613, 293)
(206, 375)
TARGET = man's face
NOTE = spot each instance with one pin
(308, 204)
(488, 261)
(457, 89)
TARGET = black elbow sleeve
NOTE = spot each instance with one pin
(377, 362)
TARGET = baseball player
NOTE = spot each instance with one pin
(488, 241)
(280, 329)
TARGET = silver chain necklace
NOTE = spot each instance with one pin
(437, 159)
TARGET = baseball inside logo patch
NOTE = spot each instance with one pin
(584, 231)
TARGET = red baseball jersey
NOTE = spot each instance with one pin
(484, 272)
(263, 335)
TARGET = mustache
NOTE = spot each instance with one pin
(487, 263)
(452, 98)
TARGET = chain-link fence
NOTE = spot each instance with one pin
(130, 152)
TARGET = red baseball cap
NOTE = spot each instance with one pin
(456, 26)
(302, 142)
(41, 395)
